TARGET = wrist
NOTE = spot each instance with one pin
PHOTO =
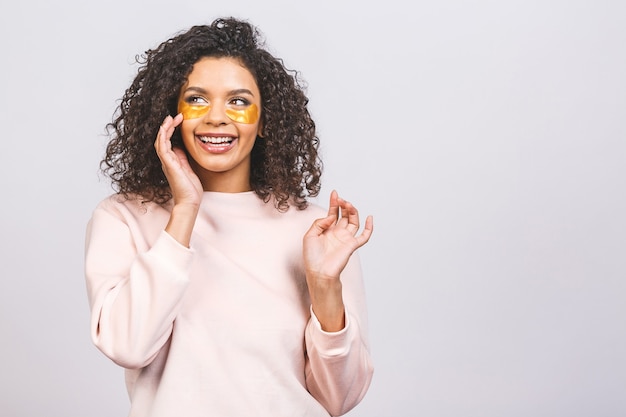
(327, 304)
(181, 222)
(185, 209)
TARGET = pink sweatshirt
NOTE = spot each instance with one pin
(223, 328)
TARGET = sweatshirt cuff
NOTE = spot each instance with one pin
(176, 254)
(330, 344)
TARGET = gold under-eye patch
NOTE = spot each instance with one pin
(248, 115)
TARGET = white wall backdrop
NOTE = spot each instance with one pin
(488, 139)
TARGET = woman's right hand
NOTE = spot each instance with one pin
(184, 183)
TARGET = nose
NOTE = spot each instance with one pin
(216, 115)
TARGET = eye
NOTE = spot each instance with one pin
(239, 102)
(196, 101)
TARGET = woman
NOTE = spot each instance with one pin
(211, 278)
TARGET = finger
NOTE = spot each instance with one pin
(364, 237)
(319, 226)
(170, 123)
(352, 215)
(161, 140)
(166, 130)
(174, 123)
(182, 158)
(349, 219)
(333, 206)
(339, 209)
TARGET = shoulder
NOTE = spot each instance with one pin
(133, 205)
(124, 216)
(307, 215)
(315, 210)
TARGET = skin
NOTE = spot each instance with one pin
(329, 242)
(221, 83)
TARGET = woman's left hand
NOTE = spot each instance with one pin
(327, 247)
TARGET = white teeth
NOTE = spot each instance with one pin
(215, 140)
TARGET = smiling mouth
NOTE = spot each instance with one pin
(214, 140)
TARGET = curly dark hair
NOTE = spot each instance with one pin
(285, 164)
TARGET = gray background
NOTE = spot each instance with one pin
(487, 138)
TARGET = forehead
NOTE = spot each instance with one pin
(221, 73)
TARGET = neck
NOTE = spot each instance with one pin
(225, 183)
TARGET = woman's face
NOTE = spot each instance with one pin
(221, 107)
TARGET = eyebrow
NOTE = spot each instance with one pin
(230, 93)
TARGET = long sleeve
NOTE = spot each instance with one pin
(339, 367)
(224, 328)
(134, 285)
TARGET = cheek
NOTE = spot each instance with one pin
(249, 130)
(249, 115)
(192, 112)
(187, 131)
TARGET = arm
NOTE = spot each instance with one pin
(339, 368)
(184, 183)
(135, 290)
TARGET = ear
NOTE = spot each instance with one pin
(259, 131)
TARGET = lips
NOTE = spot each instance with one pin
(216, 140)
(219, 143)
